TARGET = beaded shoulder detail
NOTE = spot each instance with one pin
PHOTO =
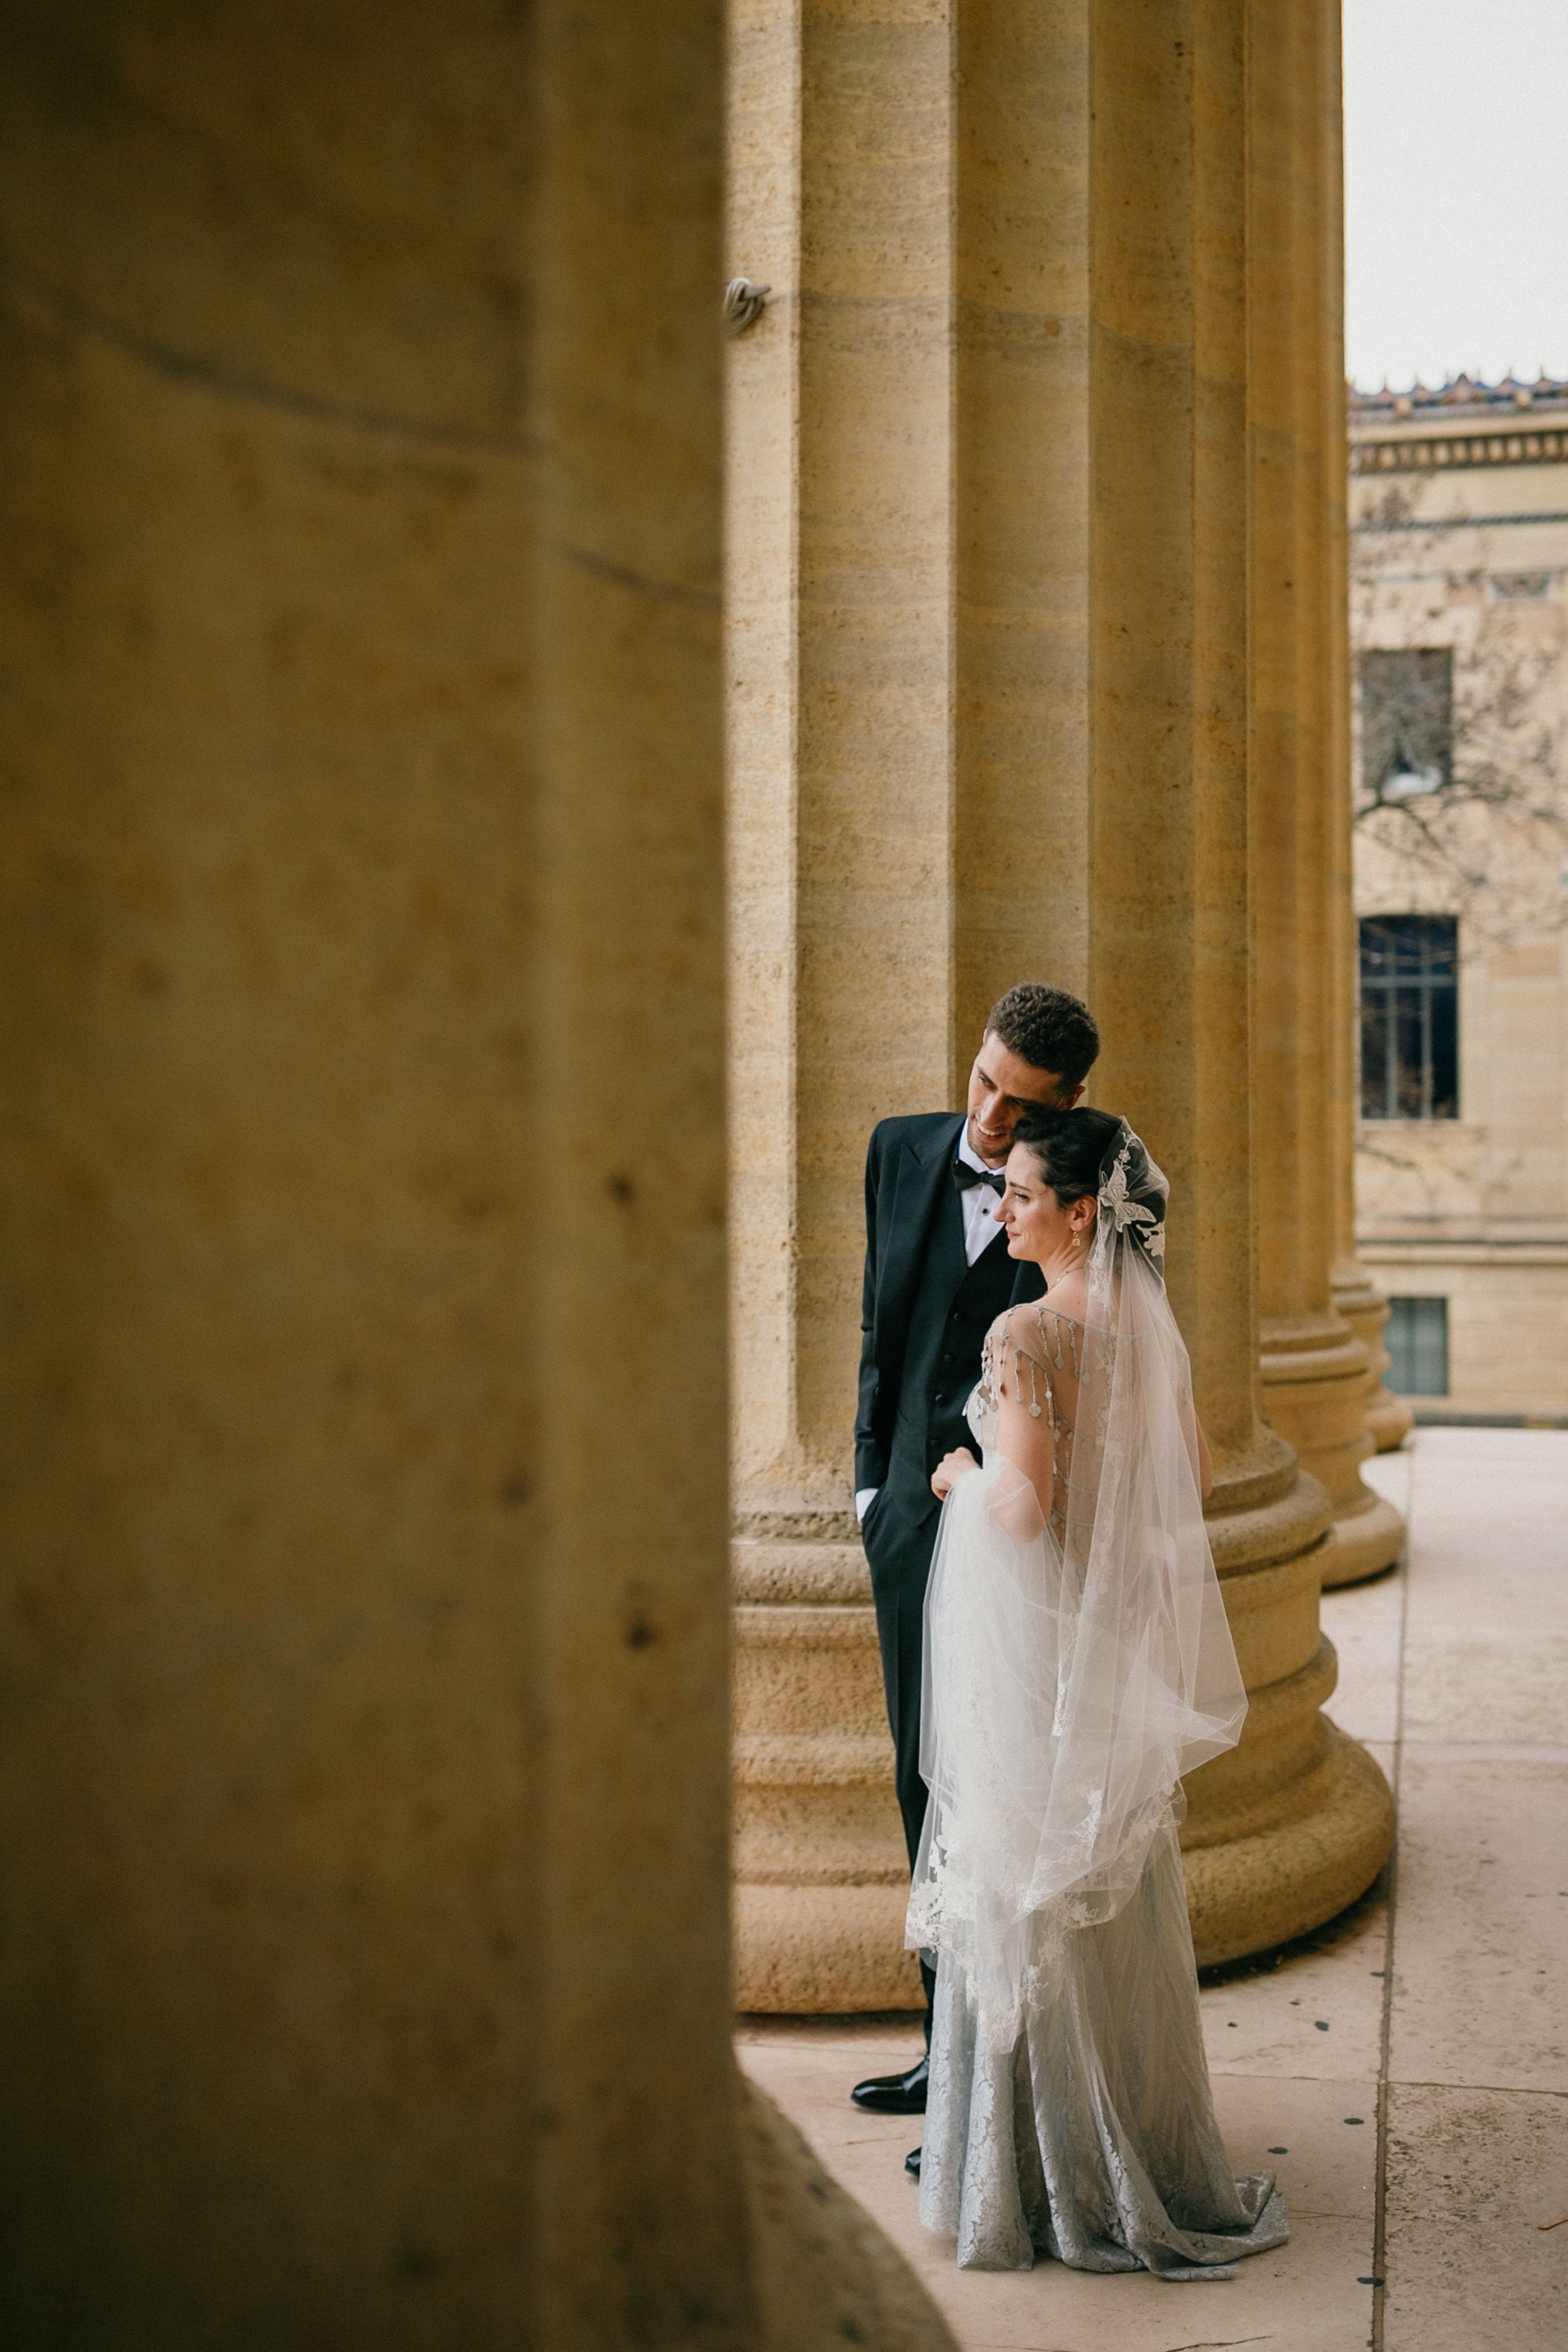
(1045, 1379)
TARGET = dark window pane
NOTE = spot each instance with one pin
(1410, 1017)
(1375, 1072)
(1445, 1054)
(1376, 952)
(1440, 942)
(1410, 1094)
(1408, 720)
(1418, 1341)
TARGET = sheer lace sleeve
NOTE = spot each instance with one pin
(1031, 1371)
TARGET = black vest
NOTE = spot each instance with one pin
(954, 1307)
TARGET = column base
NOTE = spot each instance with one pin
(1315, 1371)
(1248, 1892)
(1389, 1421)
(839, 1950)
(821, 2271)
(823, 1951)
(1364, 1543)
(1282, 1832)
(1357, 1298)
(821, 1873)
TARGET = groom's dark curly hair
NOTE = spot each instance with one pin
(1046, 1028)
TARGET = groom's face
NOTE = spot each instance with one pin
(1001, 1089)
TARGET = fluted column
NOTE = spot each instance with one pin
(989, 721)
(362, 1270)
(1296, 1820)
(841, 657)
(1355, 1293)
(1315, 1368)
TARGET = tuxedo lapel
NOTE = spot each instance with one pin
(919, 1181)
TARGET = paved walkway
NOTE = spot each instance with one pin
(1406, 2070)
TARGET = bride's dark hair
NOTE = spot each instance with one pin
(1070, 1146)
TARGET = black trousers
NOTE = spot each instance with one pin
(898, 1549)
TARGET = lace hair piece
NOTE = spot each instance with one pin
(1130, 1188)
(1078, 1661)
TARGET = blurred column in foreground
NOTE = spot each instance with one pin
(367, 1967)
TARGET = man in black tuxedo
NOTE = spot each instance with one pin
(937, 1275)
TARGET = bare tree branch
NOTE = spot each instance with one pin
(1462, 765)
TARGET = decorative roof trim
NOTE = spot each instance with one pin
(1457, 391)
(1537, 447)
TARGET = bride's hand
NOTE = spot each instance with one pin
(949, 1469)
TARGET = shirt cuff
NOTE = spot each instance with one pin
(865, 1498)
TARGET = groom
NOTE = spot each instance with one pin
(937, 1275)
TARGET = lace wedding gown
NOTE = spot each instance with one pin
(1077, 1661)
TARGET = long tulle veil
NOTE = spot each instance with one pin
(1075, 1671)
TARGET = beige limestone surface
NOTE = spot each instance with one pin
(1474, 1209)
(1436, 2010)
(364, 1603)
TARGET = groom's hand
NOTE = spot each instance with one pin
(949, 1469)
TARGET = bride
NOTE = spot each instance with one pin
(1078, 1662)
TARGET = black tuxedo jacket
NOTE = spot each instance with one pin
(907, 1181)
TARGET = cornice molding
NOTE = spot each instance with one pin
(1450, 453)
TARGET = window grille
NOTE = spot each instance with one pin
(1410, 1017)
(1417, 1338)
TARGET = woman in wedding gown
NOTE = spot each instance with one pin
(1078, 1662)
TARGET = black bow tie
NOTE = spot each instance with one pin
(964, 1175)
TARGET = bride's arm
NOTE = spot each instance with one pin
(1026, 1440)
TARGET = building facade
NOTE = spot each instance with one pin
(1460, 576)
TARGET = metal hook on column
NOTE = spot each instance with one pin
(743, 304)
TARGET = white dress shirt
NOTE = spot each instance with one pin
(981, 1225)
(981, 1228)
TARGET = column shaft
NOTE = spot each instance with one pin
(1356, 1295)
(1295, 1821)
(1023, 732)
(840, 657)
(367, 1972)
(1315, 1367)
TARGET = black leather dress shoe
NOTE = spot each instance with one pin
(894, 2094)
(912, 2164)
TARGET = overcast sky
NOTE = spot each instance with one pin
(1456, 188)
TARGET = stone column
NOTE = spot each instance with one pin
(989, 716)
(1315, 1368)
(840, 814)
(1297, 1819)
(366, 1966)
(1356, 1295)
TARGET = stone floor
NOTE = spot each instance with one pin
(1406, 2070)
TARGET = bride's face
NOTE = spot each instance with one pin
(1038, 1226)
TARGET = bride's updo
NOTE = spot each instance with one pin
(1070, 1148)
(1093, 1153)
